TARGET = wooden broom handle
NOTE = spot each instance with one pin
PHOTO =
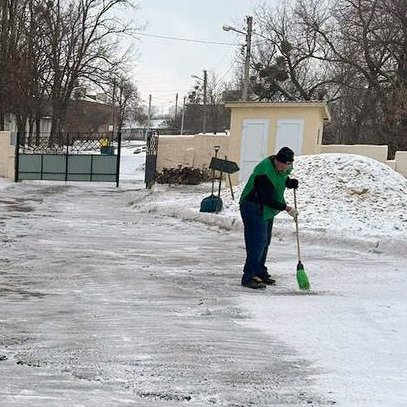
(296, 226)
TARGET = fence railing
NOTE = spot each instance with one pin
(64, 143)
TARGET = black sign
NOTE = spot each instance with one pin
(223, 165)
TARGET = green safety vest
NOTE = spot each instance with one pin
(278, 179)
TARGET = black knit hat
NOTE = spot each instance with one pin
(285, 155)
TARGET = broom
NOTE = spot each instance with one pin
(302, 277)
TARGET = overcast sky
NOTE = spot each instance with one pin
(165, 66)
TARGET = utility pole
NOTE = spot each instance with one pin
(248, 35)
(183, 118)
(149, 113)
(176, 106)
(205, 85)
(246, 78)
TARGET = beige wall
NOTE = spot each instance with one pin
(198, 150)
(194, 151)
(391, 164)
(401, 162)
(379, 153)
(313, 115)
(7, 155)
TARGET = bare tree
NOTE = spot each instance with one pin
(82, 39)
(28, 67)
(217, 116)
(46, 48)
(127, 99)
(366, 40)
(286, 57)
(10, 28)
(352, 53)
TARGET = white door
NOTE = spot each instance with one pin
(290, 134)
(253, 146)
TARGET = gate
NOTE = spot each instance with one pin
(68, 157)
(151, 158)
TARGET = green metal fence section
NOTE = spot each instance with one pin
(68, 158)
(57, 167)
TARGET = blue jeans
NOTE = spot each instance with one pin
(257, 236)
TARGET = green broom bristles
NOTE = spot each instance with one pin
(302, 277)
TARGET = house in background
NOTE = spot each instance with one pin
(86, 113)
(91, 114)
(259, 129)
(10, 124)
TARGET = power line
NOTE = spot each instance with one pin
(183, 39)
(222, 79)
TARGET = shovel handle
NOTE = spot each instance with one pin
(296, 227)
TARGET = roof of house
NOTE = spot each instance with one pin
(290, 104)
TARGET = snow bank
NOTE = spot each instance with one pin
(351, 194)
(4, 183)
(345, 196)
(342, 197)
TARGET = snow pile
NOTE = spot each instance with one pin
(345, 195)
(351, 193)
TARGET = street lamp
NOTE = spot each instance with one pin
(205, 85)
(248, 35)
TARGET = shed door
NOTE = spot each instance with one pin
(290, 134)
(253, 146)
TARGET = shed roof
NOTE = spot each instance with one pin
(308, 103)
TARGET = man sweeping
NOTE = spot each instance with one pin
(261, 200)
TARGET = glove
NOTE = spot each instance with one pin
(293, 212)
(291, 183)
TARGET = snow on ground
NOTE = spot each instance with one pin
(132, 162)
(351, 195)
(4, 183)
(353, 227)
(354, 327)
(341, 197)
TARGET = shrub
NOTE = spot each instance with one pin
(183, 175)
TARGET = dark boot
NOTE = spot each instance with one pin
(268, 281)
(255, 283)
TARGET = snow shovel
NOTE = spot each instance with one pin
(212, 203)
(302, 277)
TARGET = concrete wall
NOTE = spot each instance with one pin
(313, 114)
(192, 151)
(391, 164)
(7, 155)
(197, 151)
(401, 162)
(379, 153)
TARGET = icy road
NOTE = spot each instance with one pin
(104, 305)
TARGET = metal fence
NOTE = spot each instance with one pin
(63, 143)
(68, 157)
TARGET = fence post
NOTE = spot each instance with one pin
(66, 157)
(16, 159)
(119, 149)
